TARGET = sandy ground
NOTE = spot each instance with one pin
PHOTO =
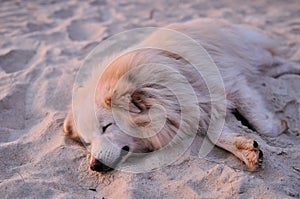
(43, 44)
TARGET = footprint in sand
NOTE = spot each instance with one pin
(15, 60)
(12, 108)
(63, 13)
(35, 27)
(81, 31)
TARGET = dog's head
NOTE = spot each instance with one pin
(136, 108)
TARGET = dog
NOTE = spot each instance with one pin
(241, 55)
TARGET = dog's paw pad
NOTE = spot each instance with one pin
(260, 153)
(255, 144)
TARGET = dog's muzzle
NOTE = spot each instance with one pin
(97, 165)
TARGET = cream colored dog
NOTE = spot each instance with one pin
(241, 55)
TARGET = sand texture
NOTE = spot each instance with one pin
(43, 44)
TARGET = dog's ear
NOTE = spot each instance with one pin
(69, 127)
(142, 100)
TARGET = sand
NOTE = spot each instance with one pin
(43, 44)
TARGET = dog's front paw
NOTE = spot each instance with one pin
(249, 152)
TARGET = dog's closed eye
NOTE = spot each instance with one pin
(105, 127)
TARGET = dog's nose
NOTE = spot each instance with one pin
(97, 165)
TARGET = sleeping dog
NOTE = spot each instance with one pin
(133, 91)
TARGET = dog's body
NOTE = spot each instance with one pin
(241, 55)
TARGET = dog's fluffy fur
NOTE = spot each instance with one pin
(241, 55)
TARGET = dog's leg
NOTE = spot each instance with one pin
(281, 66)
(243, 147)
(250, 106)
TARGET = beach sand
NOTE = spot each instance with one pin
(43, 44)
